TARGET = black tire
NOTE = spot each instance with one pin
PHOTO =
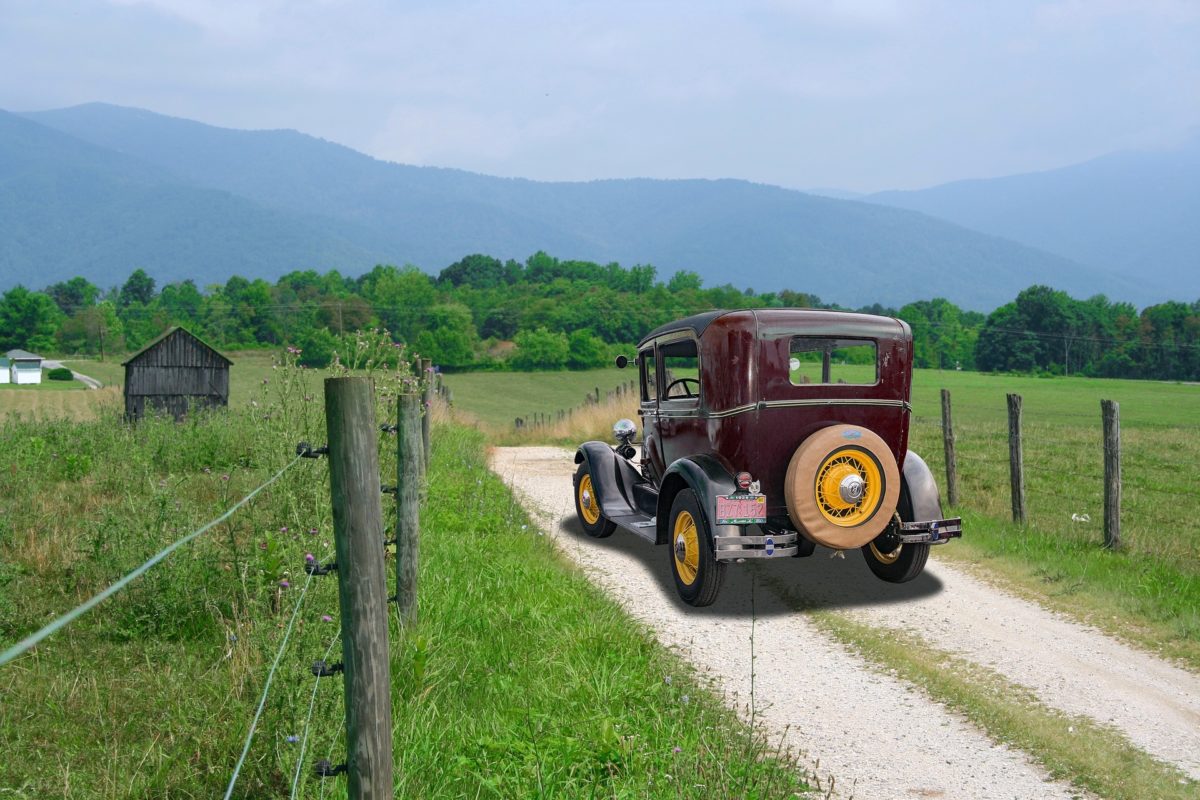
(600, 527)
(691, 555)
(907, 561)
(905, 565)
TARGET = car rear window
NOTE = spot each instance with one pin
(817, 360)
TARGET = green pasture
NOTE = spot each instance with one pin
(497, 398)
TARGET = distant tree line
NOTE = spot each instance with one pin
(546, 313)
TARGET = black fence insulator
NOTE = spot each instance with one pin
(387, 489)
(306, 450)
(323, 669)
(317, 568)
(388, 428)
(324, 769)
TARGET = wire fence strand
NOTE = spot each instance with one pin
(267, 688)
(61, 622)
(311, 704)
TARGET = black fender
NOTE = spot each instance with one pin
(611, 474)
(707, 477)
(919, 491)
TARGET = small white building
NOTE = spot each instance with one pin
(24, 367)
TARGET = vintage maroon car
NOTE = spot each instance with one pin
(766, 433)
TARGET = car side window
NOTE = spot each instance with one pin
(681, 370)
(649, 375)
(820, 360)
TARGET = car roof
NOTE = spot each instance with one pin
(695, 323)
(816, 320)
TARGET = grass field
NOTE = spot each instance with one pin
(521, 679)
(1148, 593)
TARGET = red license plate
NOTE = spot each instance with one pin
(741, 509)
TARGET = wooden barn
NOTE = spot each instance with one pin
(175, 372)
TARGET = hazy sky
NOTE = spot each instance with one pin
(859, 95)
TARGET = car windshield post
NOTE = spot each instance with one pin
(648, 374)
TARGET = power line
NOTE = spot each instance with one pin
(61, 622)
(267, 689)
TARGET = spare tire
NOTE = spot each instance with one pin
(842, 486)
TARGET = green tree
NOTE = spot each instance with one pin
(540, 349)
(73, 295)
(139, 290)
(28, 320)
(477, 271)
(585, 350)
(450, 340)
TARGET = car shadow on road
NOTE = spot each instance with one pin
(770, 588)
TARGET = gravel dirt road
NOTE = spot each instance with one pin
(879, 736)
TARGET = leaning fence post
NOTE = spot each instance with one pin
(1016, 459)
(426, 407)
(408, 504)
(362, 586)
(1110, 410)
(948, 443)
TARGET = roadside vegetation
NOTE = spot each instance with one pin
(520, 680)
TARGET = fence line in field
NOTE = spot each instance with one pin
(355, 494)
(538, 419)
(267, 688)
(308, 719)
(61, 622)
(1110, 419)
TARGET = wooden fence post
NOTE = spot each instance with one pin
(362, 585)
(948, 442)
(426, 408)
(1110, 410)
(1016, 459)
(408, 504)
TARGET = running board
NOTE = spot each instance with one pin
(735, 548)
(639, 525)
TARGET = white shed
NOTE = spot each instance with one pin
(5, 370)
(25, 367)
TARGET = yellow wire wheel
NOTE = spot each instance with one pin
(587, 505)
(697, 573)
(589, 508)
(685, 543)
(842, 486)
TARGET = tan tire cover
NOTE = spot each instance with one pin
(799, 486)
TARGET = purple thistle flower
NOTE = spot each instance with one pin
(309, 557)
(283, 529)
(224, 477)
(676, 749)
(292, 739)
(326, 618)
(313, 531)
(284, 584)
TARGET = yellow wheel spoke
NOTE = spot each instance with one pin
(686, 545)
(589, 508)
(850, 466)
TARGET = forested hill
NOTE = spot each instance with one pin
(1137, 213)
(186, 200)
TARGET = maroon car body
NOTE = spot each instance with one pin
(730, 399)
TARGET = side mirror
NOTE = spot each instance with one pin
(622, 362)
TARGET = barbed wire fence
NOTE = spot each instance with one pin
(356, 495)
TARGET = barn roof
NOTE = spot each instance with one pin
(23, 355)
(167, 333)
